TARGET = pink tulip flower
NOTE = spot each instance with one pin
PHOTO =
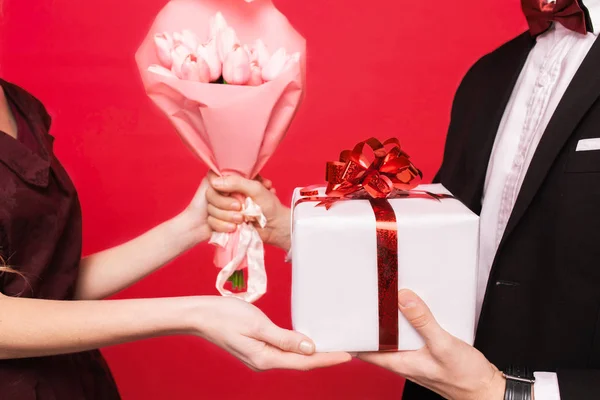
(217, 24)
(255, 75)
(227, 41)
(291, 61)
(210, 54)
(160, 70)
(236, 68)
(179, 55)
(275, 65)
(260, 53)
(186, 38)
(164, 47)
(195, 69)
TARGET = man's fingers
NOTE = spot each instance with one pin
(236, 184)
(398, 362)
(221, 226)
(380, 359)
(405, 363)
(233, 217)
(420, 317)
(221, 201)
(265, 182)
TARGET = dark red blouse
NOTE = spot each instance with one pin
(40, 235)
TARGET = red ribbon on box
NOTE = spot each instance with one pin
(389, 175)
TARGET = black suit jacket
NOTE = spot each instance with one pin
(542, 305)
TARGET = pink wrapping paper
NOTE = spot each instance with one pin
(233, 129)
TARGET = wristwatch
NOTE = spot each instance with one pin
(519, 383)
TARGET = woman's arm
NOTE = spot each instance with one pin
(112, 270)
(32, 328)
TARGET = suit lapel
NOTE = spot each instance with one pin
(581, 94)
(503, 74)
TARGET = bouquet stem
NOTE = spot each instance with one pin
(237, 280)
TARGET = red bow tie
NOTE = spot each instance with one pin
(541, 14)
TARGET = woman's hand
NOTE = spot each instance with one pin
(194, 219)
(224, 211)
(245, 332)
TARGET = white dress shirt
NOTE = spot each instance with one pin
(547, 73)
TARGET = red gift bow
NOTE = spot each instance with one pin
(389, 175)
(389, 170)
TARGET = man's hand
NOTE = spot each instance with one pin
(224, 210)
(446, 365)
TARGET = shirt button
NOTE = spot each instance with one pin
(519, 161)
(544, 80)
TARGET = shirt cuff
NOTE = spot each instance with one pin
(546, 386)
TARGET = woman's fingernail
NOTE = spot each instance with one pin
(235, 206)
(238, 218)
(307, 347)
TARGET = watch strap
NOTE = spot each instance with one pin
(519, 382)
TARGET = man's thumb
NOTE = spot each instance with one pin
(418, 314)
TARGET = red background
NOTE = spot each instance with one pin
(378, 67)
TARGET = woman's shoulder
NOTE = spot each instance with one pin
(26, 102)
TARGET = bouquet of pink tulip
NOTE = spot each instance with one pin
(230, 103)
(221, 58)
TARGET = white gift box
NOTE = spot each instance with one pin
(335, 271)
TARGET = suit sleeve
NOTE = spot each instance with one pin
(462, 101)
(579, 384)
